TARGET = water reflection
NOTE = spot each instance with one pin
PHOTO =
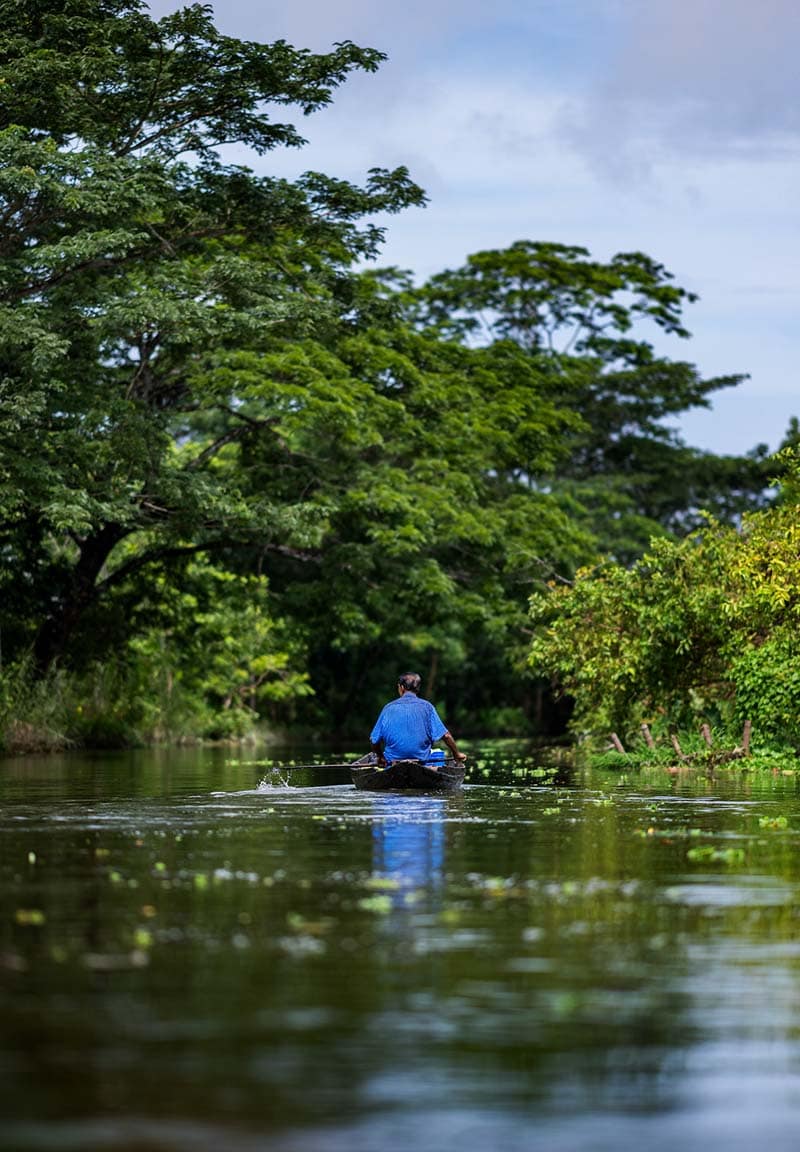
(189, 963)
(408, 844)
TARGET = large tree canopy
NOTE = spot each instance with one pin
(104, 72)
(583, 324)
(127, 273)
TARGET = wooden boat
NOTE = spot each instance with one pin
(407, 775)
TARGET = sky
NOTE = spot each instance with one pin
(670, 127)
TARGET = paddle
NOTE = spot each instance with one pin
(277, 766)
(340, 766)
(299, 767)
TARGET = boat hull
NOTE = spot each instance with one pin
(408, 776)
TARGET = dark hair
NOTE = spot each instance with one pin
(411, 681)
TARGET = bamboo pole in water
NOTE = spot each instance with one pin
(746, 737)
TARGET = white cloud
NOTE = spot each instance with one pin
(699, 96)
(317, 24)
(717, 76)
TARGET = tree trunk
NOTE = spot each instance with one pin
(433, 668)
(57, 629)
(342, 712)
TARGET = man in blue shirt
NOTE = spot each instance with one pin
(408, 726)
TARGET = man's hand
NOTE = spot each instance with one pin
(451, 744)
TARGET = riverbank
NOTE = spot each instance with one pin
(697, 751)
(110, 706)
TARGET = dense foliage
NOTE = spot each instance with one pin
(241, 477)
(704, 628)
(583, 323)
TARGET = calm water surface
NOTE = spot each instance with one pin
(192, 959)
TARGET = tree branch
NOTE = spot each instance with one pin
(150, 103)
(138, 562)
(177, 551)
(229, 437)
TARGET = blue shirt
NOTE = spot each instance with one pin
(408, 726)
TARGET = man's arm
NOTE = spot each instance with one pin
(377, 741)
(451, 744)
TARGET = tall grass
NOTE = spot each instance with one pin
(113, 704)
(34, 714)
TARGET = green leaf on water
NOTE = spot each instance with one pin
(29, 916)
(378, 904)
(773, 822)
(716, 855)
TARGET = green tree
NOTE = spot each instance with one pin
(434, 534)
(704, 627)
(583, 324)
(127, 273)
(199, 393)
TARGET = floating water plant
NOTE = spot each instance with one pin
(379, 904)
(773, 822)
(29, 916)
(707, 853)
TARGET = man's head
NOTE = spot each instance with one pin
(410, 682)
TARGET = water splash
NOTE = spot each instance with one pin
(274, 779)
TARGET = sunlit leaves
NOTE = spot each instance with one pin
(705, 626)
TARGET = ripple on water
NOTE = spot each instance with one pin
(320, 970)
(745, 891)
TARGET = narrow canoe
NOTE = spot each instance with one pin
(408, 775)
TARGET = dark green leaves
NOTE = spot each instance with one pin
(104, 72)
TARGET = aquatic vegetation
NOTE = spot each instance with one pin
(708, 854)
(303, 925)
(773, 822)
(30, 916)
(670, 833)
(613, 760)
(381, 905)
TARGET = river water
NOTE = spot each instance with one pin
(203, 955)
